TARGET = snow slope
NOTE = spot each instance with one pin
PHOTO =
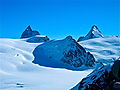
(64, 53)
(18, 72)
(105, 49)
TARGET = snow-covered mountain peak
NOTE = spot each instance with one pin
(94, 27)
(93, 33)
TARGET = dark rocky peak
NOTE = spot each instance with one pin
(28, 28)
(29, 33)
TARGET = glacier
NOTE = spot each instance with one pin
(35, 62)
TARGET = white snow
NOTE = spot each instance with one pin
(18, 72)
(104, 49)
(96, 32)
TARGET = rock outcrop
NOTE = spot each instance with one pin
(103, 78)
(38, 39)
(66, 53)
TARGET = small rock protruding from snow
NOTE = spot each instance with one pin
(29, 33)
(20, 85)
(93, 33)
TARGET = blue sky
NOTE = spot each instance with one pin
(59, 18)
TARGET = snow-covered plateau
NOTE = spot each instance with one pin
(17, 70)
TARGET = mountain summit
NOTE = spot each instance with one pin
(29, 33)
(93, 33)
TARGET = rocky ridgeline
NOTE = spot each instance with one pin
(38, 39)
(103, 78)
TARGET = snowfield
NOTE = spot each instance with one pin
(18, 72)
(105, 50)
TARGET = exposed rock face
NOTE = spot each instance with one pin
(93, 33)
(80, 38)
(97, 80)
(29, 33)
(66, 53)
(116, 70)
(38, 39)
(104, 78)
